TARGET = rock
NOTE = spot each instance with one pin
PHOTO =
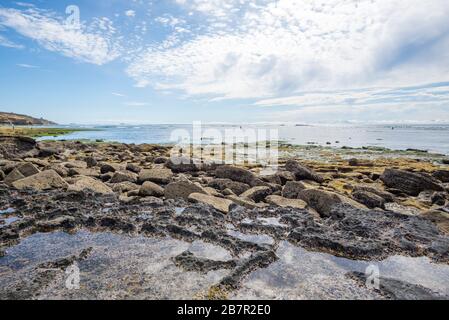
(124, 187)
(409, 182)
(257, 194)
(302, 172)
(274, 179)
(47, 152)
(28, 169)
(292, 189)
(228, 192)
(91, 162)
(235, 174)
(388, 197)
(442, 175)
(244, 202)
(150, 189)
(236, 187)
(161, 160)
(106, 168)
(89, 172)
(369, 199)
(394, 289)
(285, 176)
(45, 180)
(438, 198)
(2, 175)
(16, 147)
(360, 163)
(182, 164)
(13, 176)
(213, 192)
(133, 168)
(324, 201)
(286, 203)
(220, 204)
(158, 175)
(440, 218)
(122, 176)
(182, 189)
(90, 184)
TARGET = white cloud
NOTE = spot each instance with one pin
(257, 49)
(130, 13)
(4, 42)
(27, 66)
(92, 46)
(118, 94)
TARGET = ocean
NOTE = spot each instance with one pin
(433, 138)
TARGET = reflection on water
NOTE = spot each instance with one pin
(121, 267)
(299, 274)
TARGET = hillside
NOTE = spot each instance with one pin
(21, 120)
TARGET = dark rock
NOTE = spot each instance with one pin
(438, 198)
(442, 175)
(409, 182)
(47, 152)
(91, 162)
(292, 189)
(133, 168)
(16, 147)
(182, 164)
(399, 290)
(28, 169)
(106, 168)
(369, 199)
(257, 194)
(223, 184)
(388, 197)
(235, 174)
(302, 172)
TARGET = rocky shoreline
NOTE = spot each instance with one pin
(358, 209)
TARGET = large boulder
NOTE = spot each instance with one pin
(182, 189)
(292, 189)
(302, 172)
(157, 175)
(14, 175)
(409, 182)
(440, 218)
(90, 184)
(220, 204)
(45, 180)
(387, 196)
(286, 203)
(257, 194)
(150, 189)
(235, 174)
(16, 147)
(369, 199)
(28, 169)
(324, 201)
(223, 184)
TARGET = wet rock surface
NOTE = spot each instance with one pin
(169, 230)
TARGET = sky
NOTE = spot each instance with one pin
(178, 61)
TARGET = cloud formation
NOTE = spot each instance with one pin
(92, 44)
(256, 49)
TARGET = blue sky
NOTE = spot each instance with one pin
(178, 61)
